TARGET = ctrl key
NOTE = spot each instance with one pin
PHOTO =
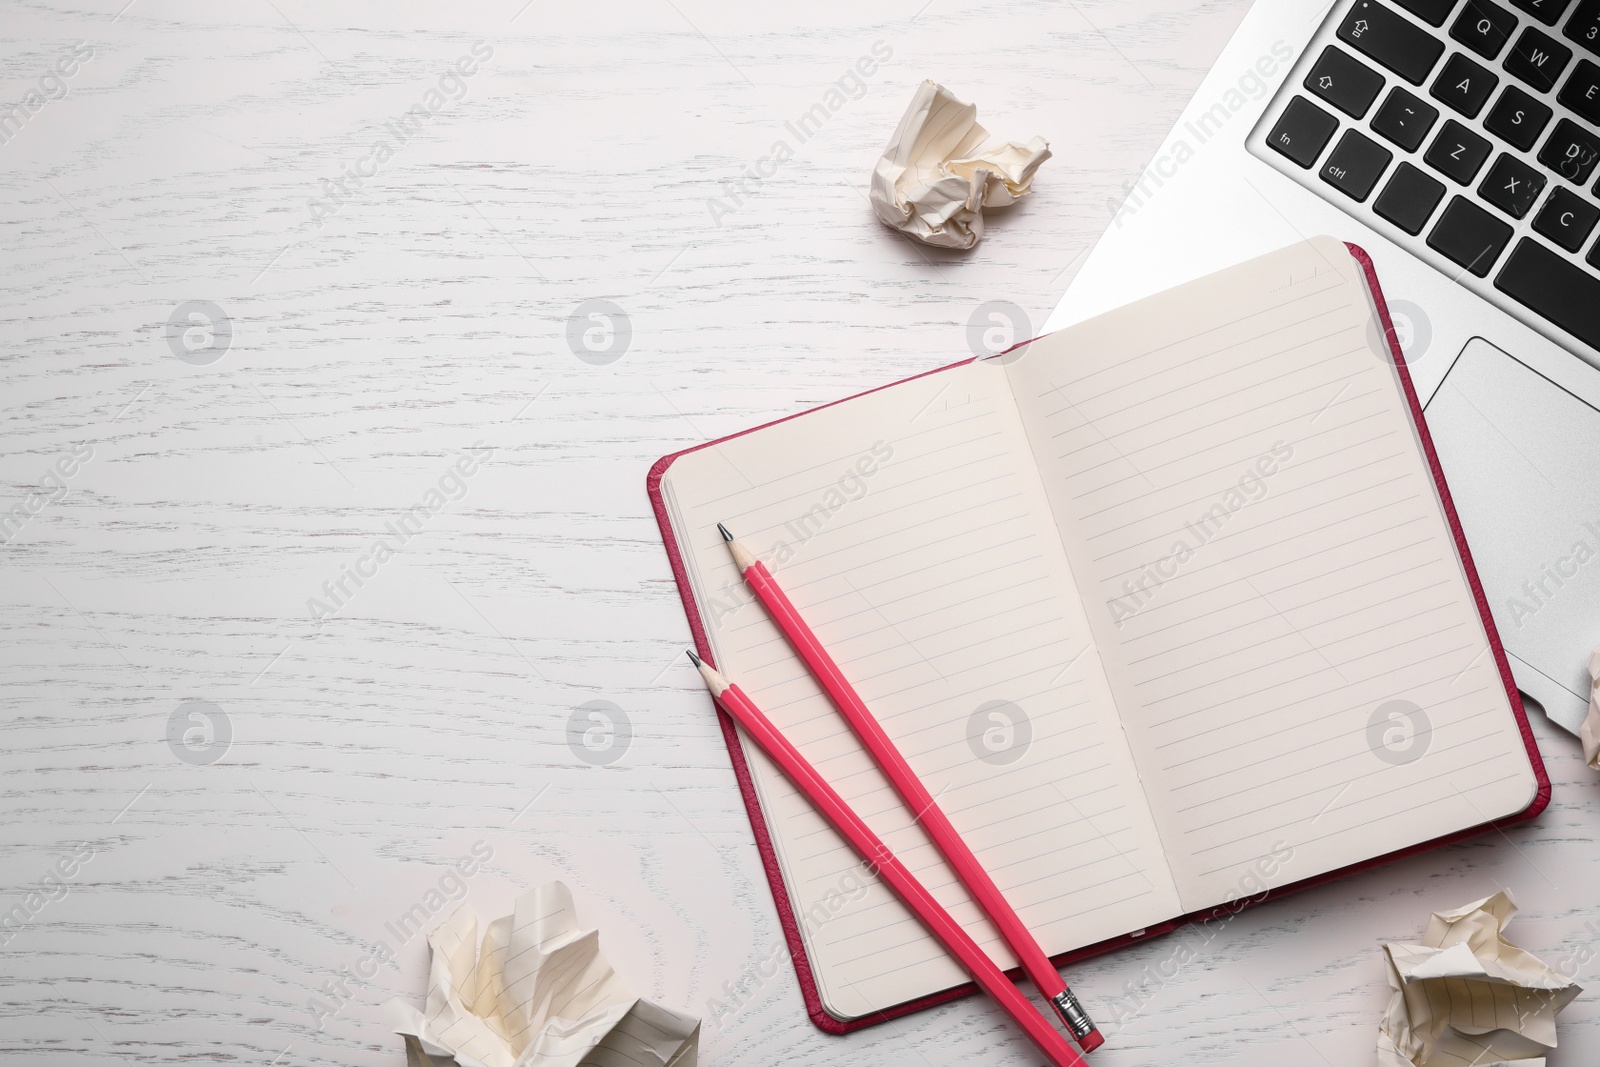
(1355, 165)
(1303, 131)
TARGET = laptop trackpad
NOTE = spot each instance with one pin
(1522, 458)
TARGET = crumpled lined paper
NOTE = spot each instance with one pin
(537, 994)
(1589, 732)
(1467, 997)
(940, 171)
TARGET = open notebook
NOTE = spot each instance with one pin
(1166, 609)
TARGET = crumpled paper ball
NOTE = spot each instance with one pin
(1466, 995)
(940, 171)
(535, 992)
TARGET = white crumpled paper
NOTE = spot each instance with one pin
(940, 171)
(537, 994)
(1589, 732)
(1467, 997)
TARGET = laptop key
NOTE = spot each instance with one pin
(1469, 236)
(1404, 119)
(1570, 151)
(1566, 218)
(1434, 12)
(1546, 11)
(1538, 59)
(1391, 40)
(1344, 81)
(1517, 118)
(1463, 85)
(1483, 27)
(1409, 198)
(1543, 281)
(1511, 185)
(1584, 26)
(1457, 152)
(1582, 91)
(1302, 131)
(1355, 165)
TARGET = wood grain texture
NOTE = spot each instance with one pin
(429, 313)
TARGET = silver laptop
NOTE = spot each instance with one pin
(1458, 142)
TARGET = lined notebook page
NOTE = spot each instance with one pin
(910, 527)
(1287, 628)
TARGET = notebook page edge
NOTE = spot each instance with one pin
(1378, 309)
(793, 930)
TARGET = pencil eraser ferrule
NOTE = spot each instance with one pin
(1076, 1019)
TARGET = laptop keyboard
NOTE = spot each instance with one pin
(1468, 130)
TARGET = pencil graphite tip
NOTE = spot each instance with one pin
(742, 557)
(714, 681)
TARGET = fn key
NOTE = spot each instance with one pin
(1303, 131)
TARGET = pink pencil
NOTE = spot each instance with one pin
(894, 873)
(915, 795)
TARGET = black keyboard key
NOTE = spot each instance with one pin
(1409, 199)
(1391, 40)
(1511, 185)
(1344, 81)
(1565, 294)
(1538, 59)
(1433, 12)
(1463, 85)
(1582, 91)
(1469, 236)
(1570, 151)
(1566, 218)
(1517, 118)
(1404, 119)
(1457, 152)
(1302, 131)
(1584, 26)
(1483, 27)
(1355, 165)
(1546, 11)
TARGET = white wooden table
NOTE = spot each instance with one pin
(261, 790)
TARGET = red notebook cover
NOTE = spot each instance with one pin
(769, 859)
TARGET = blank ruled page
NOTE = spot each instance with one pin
(910, 527)
(1285, 622)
